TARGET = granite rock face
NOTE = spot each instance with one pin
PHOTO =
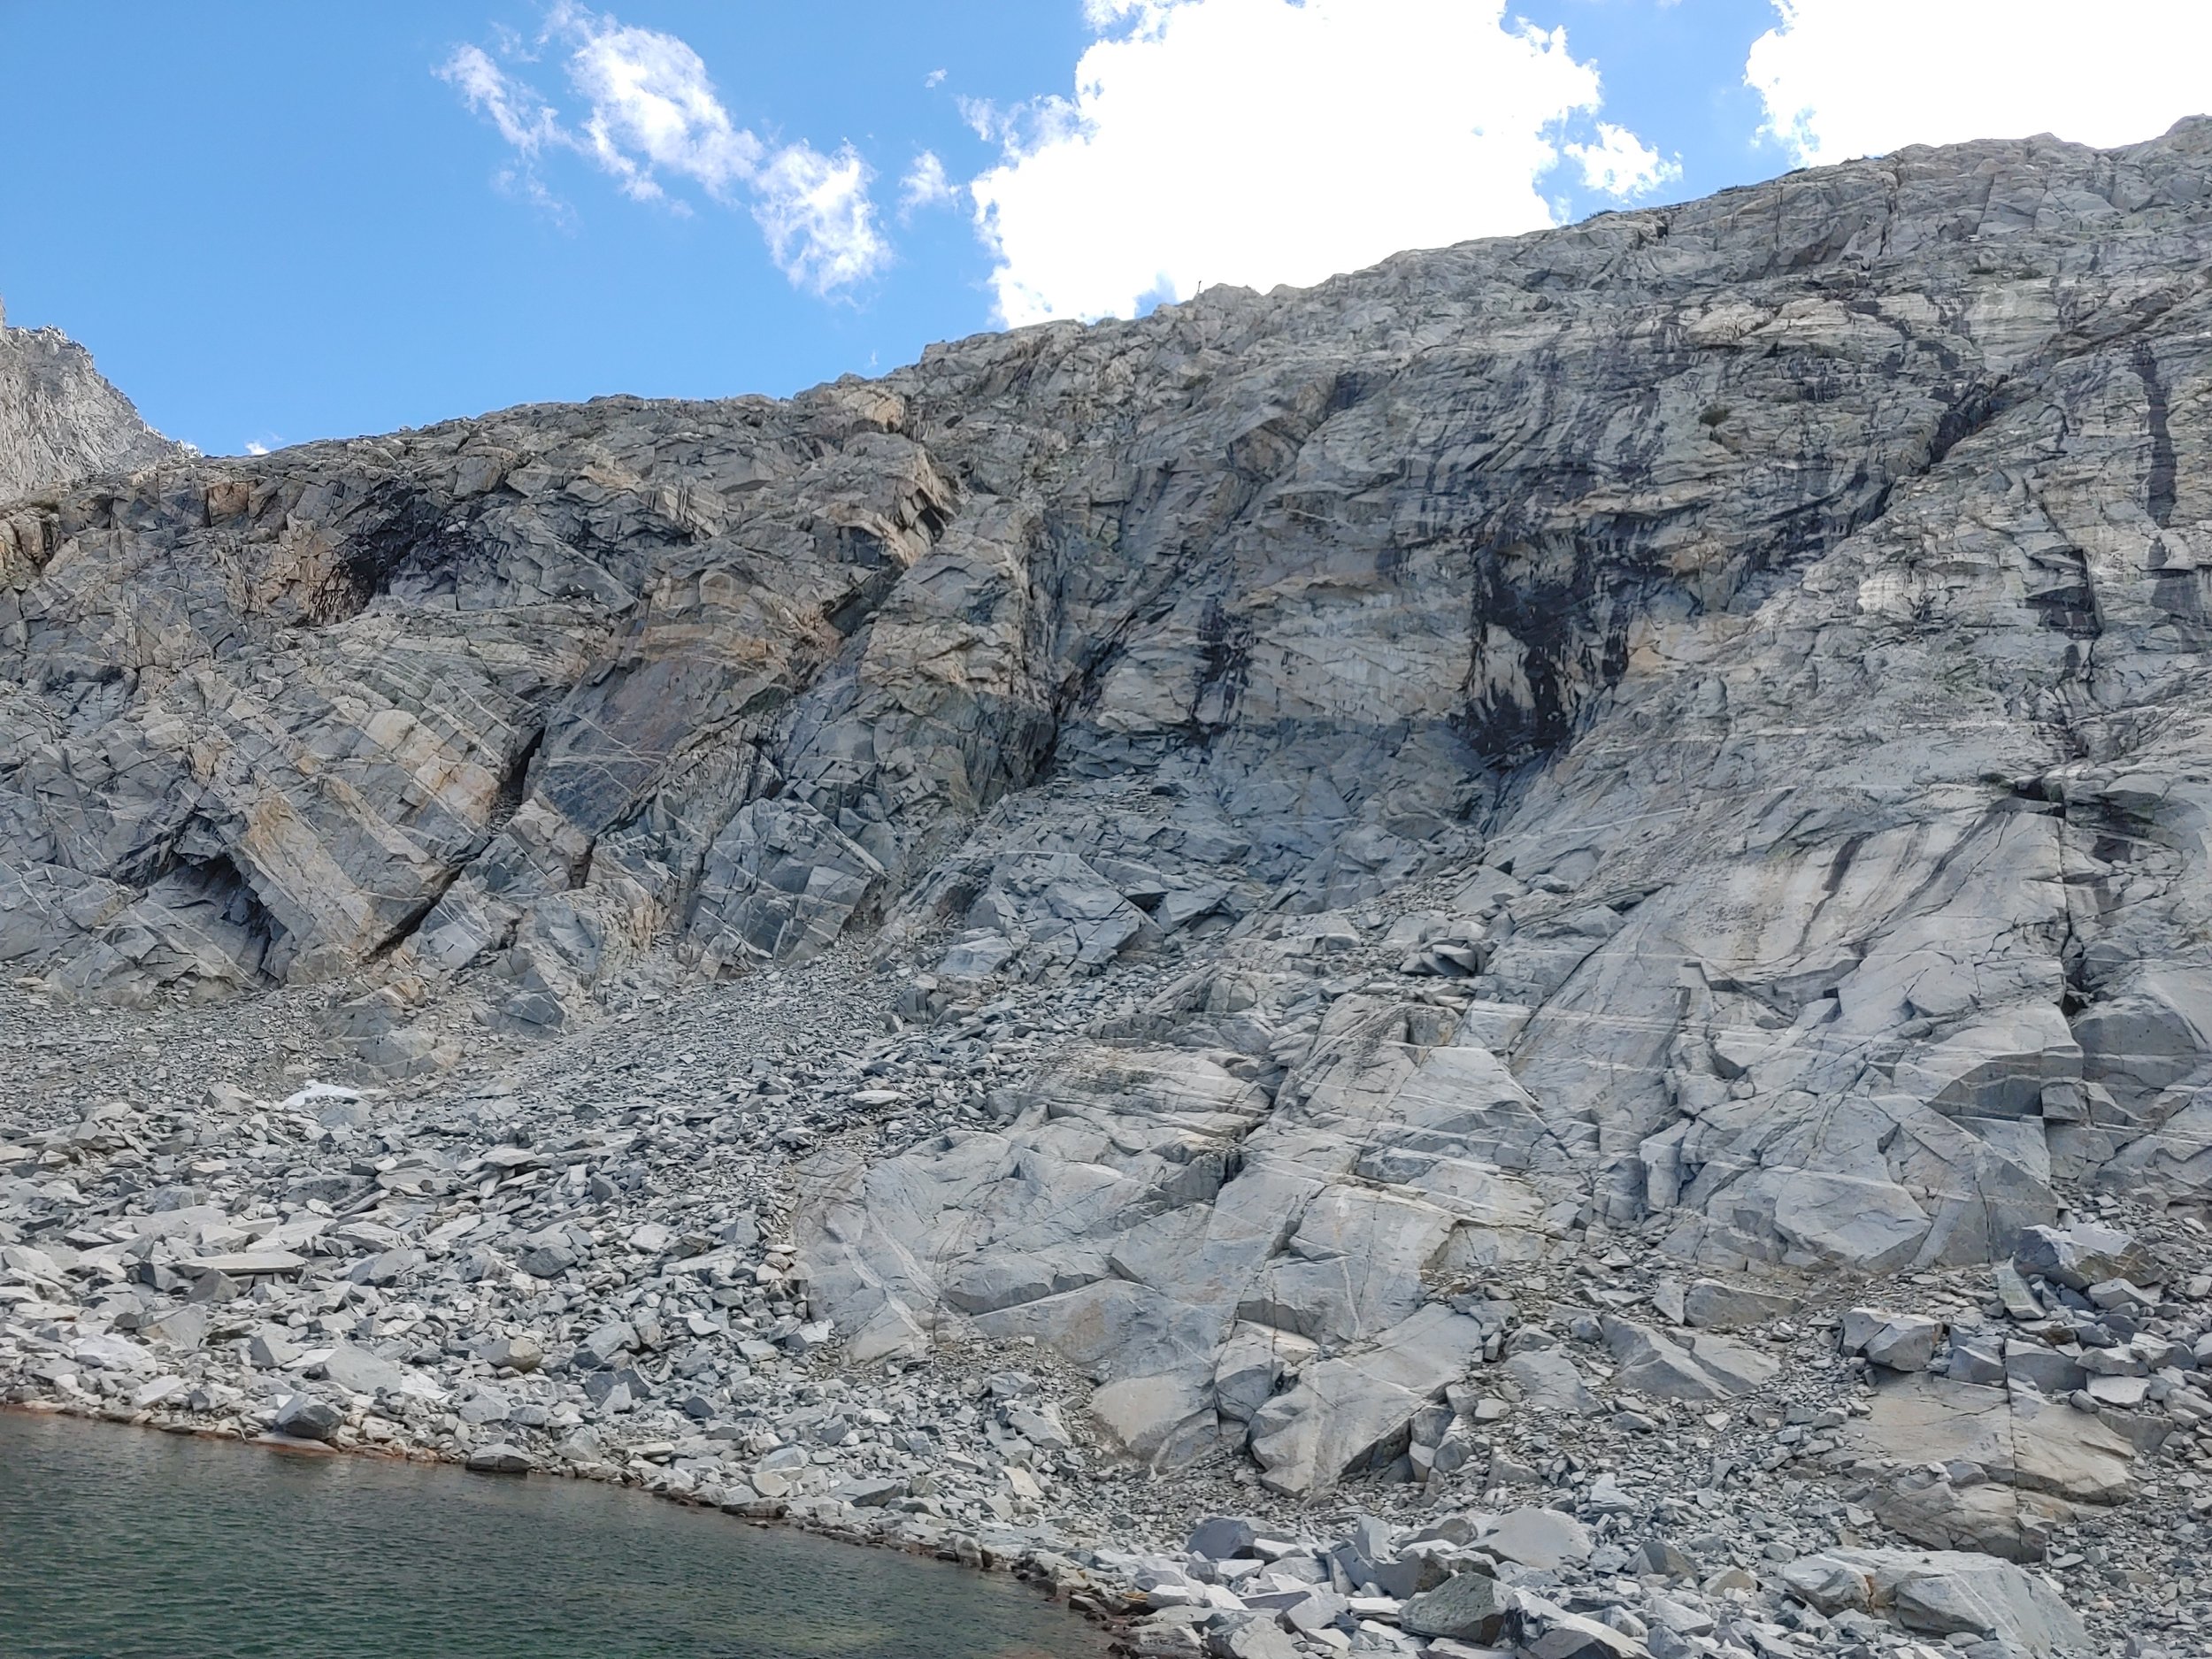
(59, 421)
(1692, 722)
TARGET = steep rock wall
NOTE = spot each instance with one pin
(1770, 631)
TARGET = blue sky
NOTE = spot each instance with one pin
(275, 222)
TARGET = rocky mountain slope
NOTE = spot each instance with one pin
(1651, 766)
(59, 421)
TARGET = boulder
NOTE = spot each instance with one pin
(1944, 1593)
(1988, 1516)
(483, 1405)
(1543, 1538)
(103, 1350)
(184, 1329)
(270, 1349)
(1897, 1341)
(1703, 1367)
(243, 1264)
(1224, 1537)
(1467, 1607)
(2084, 1254)
(1252, 1366)
(1357, 1412)
(362, 1373)
(871, 1491)
(1827, 1584)
(1711, 1304)
(606, 1343)
(304, 1418)
(2025, 1446)
(2043, 1368)
(500, 1458)
(1232, 1637)
(1550, 1382)
(1159, 1420)
(1976, 1358)
(513, 1352)
(1550, 1632)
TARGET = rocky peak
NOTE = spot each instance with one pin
(59, 421)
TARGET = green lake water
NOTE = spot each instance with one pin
(124, 1543)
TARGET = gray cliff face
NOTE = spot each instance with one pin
(59, 421)
(1696, 721)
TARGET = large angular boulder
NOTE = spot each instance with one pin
(1550, 1382)
(1896, 1341)
(1946, 1592)
(1712, 1305)
(304, 1418)
(1467, 1607)
(1701, 1367)
(1356, 1412)
(1162, 1419)
(2084, 1254)
(1545, 1539)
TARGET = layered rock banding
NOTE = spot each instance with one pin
(1687, 727)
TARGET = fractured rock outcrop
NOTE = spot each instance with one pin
(1691, 722)
(59, 422)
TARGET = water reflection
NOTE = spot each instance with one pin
(127, 1544)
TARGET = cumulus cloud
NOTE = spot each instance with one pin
(1844, 78)
(651, 115)
(1260, 141)
(1621, 165)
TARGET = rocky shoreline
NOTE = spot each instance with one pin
(1094, 1598)
(291, 1271)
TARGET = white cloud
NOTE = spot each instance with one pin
(1261, 141)
(513, 108)
(653, 106)
(981, 114)
(652, 114)
(821, 224)
(254, 446)
(934, 78)
(926, 185)
(1844, 78)
(1621, 165)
